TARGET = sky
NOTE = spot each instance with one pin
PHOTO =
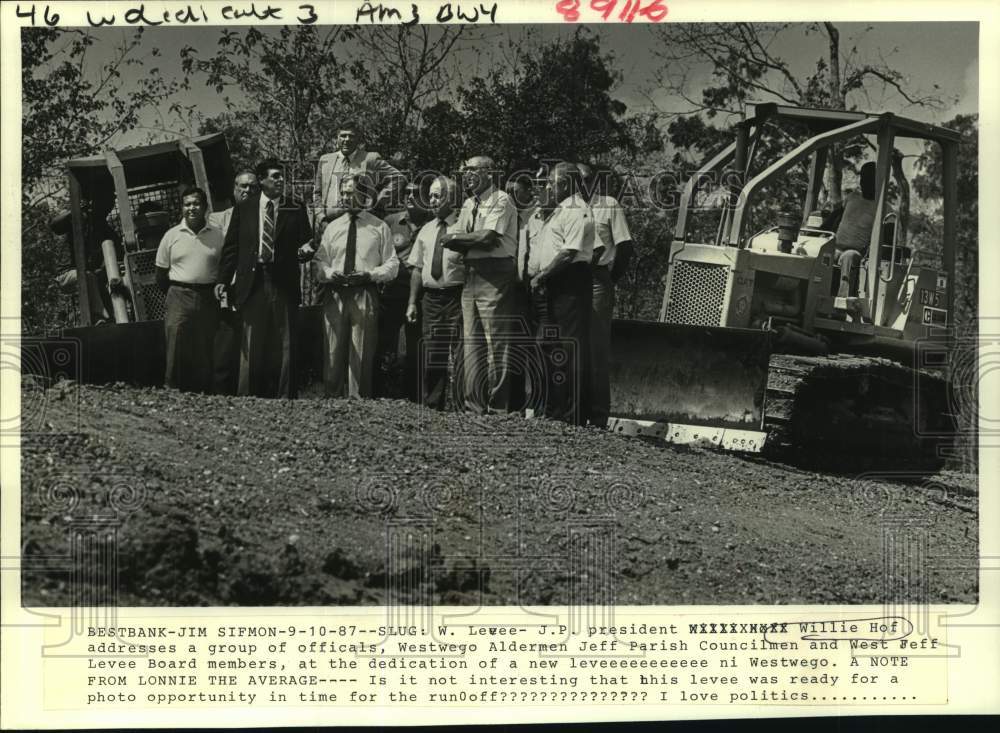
(927, 53)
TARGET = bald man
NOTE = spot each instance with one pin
(486, 233)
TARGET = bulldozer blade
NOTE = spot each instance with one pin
(672, 375)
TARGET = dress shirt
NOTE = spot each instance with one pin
(374, 255)
(191, 257)
(403, 235)
(569, 227)
(220, 220)
(422, 255)
(610, 226)
(260, 224)
(496, 212)
(529, 225)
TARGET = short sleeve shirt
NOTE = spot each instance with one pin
(528, 245)
(569, 227)
(495, 212)
(422, 256)
(610, 226)
(403, 236)
(191, 257)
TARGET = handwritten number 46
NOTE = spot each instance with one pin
(49, 20)
(655, 10)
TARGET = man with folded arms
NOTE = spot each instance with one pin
(187, 262)
(439, 274)
(355, 255)
(487, 235)
(565, 248)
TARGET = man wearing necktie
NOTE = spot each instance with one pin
(438, 273)
(486, 233)
(355, 255)
(268, 235)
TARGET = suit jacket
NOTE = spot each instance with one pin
(239, 253)
(331, 167)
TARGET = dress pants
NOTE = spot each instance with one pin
(566, 343)
(392, 318)
(350, 327)
(535, 382)
(226, 353)
(489, 317)
(602, 310)
(189, 322)
(268, 344)
(442, 332)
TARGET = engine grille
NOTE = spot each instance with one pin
(149, 300)
(697, 293)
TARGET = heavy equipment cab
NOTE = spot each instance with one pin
(121, 203)
(712, 368)
(789, 271)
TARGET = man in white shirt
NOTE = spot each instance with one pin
(487, 235)
(187, 262)
(226, 349)
(566, 247)
(612, 248)
(521, 189)
(438, 274)
(355, 255)
(350, 158)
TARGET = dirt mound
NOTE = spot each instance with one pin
(218, 500)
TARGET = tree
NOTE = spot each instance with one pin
(926, 225)
(556, 102)
(291, 83)
(71, 107)
(744, 64)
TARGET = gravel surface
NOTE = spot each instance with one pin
(220, 500)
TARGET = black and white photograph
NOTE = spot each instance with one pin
(590, 314)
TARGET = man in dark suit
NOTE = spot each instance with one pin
(269, 234)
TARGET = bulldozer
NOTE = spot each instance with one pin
(758, 346)
(121, 203)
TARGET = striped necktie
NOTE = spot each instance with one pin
(267, 240)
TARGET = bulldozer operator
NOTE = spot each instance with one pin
(854, 220)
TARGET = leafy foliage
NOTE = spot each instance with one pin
(71, 107)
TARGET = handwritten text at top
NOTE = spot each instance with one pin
(628, 10)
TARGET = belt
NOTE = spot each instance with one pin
(446, 289)
(331, 286)
(192, 286)
(479, 261)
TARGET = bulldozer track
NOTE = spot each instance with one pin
(836, 408)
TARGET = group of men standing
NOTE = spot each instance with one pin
(505, 294)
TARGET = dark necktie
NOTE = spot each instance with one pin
(437, 262)
(351, 254)
(267, 240)
(527, 251)
(475, 213)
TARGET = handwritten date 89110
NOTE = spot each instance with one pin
(654, 10)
